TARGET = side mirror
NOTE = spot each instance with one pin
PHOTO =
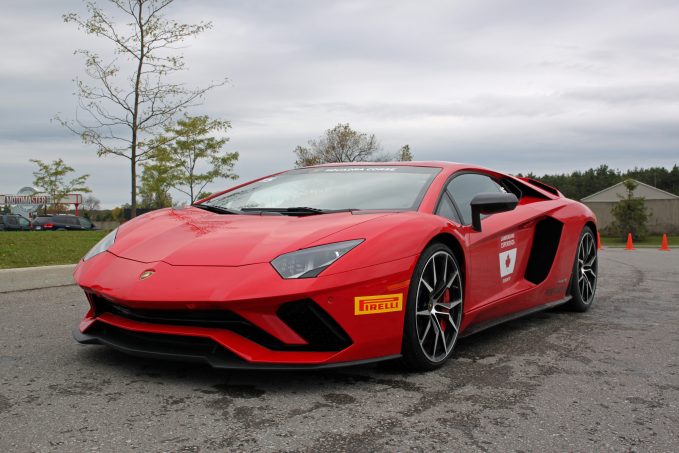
(491, 203)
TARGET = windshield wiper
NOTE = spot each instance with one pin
(296, 210)
(217, 209)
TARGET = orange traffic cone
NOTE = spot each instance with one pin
(630, 244)
(598, 241)
(665, 247)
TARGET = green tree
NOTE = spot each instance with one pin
(156, 181)
(579, 184)
(344, 144)
(50, 178)
(189, 146)
(630, 213)
(117, 213)
(133, 94)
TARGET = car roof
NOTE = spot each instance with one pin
(415, 163)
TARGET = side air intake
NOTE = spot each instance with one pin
(545, 244)
(313, 324)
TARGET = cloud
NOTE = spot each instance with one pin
(523, 85)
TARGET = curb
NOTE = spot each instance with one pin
(27, 278)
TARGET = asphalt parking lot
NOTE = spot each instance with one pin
(606, 380)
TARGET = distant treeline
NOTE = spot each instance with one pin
(580, 184)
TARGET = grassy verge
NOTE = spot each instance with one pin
(649, 241)
(44, 248)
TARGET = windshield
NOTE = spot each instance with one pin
(334, 188)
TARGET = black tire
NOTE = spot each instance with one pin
(439, 293)
(585, 272)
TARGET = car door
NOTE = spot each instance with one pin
(24, 224)
(84, 223)
(71, 223)
(499, 252)
(12, 223)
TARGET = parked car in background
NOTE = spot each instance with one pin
(14, 222)
(62, 222)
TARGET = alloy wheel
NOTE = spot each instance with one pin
(587, 267)
(439, 306)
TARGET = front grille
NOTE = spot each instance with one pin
(164, 346)
(306, 318)
(218, 319)
(197, 318)
(161, 343)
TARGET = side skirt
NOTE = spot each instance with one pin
(475, 328)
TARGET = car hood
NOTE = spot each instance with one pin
(196, 237)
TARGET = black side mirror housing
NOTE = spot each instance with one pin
(491, 203)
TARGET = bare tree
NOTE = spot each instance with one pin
(90, 204)
(339, 144)
(344, 144)
(133, 94)
(404, 154)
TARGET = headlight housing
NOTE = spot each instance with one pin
(102, 245)
(310, 262)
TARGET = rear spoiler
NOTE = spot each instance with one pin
(542, 185)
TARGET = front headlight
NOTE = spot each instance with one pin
(102, 245)
(307, 263)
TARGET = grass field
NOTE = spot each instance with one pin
(649, 241)
(27, 249)
(43, 248)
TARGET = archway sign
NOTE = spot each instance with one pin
(27, 201)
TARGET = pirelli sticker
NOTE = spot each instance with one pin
(369, 305)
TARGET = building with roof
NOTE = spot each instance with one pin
(663, 206)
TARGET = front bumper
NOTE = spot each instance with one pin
(261, 334)
(210, 353)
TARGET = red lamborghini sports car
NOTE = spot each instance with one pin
(338, 264)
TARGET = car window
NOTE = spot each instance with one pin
(23, 221)
(447, 210)
(67, 220)
(339, 187)
(12, 220)
(85, 223)
(465, 187)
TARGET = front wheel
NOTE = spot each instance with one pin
(585, 272)
(434, 309)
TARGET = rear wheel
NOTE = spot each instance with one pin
(585, 272)
(434, 309)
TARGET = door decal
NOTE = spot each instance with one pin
(507, 262)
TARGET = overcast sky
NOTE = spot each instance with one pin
(519, 86)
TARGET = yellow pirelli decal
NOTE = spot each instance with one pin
(368, 305)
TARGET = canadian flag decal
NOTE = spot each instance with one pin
(507, 262)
